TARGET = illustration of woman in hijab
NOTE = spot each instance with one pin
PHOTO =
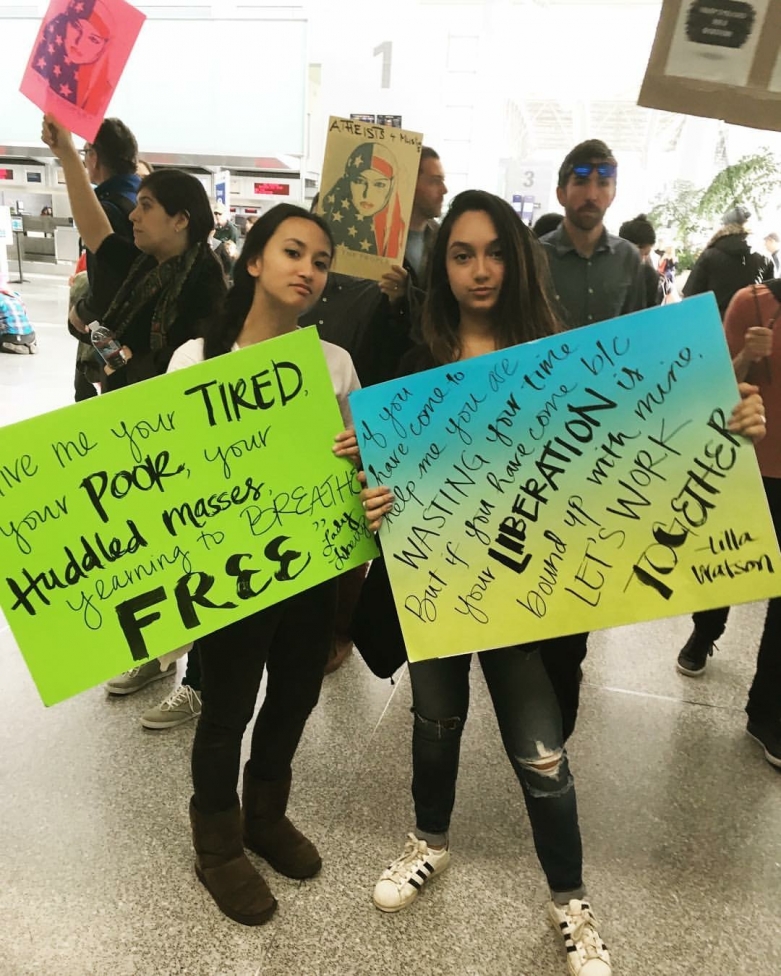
(71, 54)
(363, 207)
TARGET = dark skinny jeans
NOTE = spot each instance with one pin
(530, 723)
(764, 697)
(192, 674)
(291, 639)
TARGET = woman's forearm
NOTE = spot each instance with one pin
(741, 364)
(91, 222)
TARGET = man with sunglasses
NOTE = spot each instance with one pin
(596, 275)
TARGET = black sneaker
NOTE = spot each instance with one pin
(768, 736)
(694, 655)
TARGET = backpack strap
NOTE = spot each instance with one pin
(121, 203)
(772, 321)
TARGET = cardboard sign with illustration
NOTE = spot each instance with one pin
(368, 185)
(78, 58)
(718, 58)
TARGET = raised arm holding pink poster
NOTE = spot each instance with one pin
(78, 58)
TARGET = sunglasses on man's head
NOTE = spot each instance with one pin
(605, 170)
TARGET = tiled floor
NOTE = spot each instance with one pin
(681, 815)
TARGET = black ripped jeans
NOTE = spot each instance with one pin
(291, 640)
(530, 723)
(764, 698)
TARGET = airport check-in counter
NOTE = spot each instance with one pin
(47, 240)
(27, 186)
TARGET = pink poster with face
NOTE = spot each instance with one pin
(78, 58)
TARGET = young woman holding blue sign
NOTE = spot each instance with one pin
(487, 290)
(281, 271)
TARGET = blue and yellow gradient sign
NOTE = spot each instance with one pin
(571, 484)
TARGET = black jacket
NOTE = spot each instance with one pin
(726, 265)
(654, 285)
(429, 237)
(353, 313)
(117, 197)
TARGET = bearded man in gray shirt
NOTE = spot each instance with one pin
(596, 276)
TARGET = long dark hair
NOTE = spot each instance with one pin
(180, 192)
(224, 330)
(524, 308)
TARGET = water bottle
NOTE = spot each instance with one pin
(107, 346)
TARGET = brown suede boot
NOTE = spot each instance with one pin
(340, 651)
(269, 833)
(226, 871)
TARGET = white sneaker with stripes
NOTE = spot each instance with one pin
(400, 883)
(587, 954)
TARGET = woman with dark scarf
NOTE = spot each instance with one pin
(172, 285)
(171, 282)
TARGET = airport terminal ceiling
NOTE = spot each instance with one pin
(500, 84)
(491, 84)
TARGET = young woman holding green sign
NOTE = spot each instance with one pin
(488, 289)
(281, 271)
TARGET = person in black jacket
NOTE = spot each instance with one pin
(111, 161)
(640, 232)
(375, 322)
(728, 264)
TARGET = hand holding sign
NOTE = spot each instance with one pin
(377, 502)
(393, 284)
(78, 59)
(347, 445)
(748, 417)
(57, 138)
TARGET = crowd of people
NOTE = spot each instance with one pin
(478, 281)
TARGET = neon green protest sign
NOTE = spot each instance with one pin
(134, 523)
